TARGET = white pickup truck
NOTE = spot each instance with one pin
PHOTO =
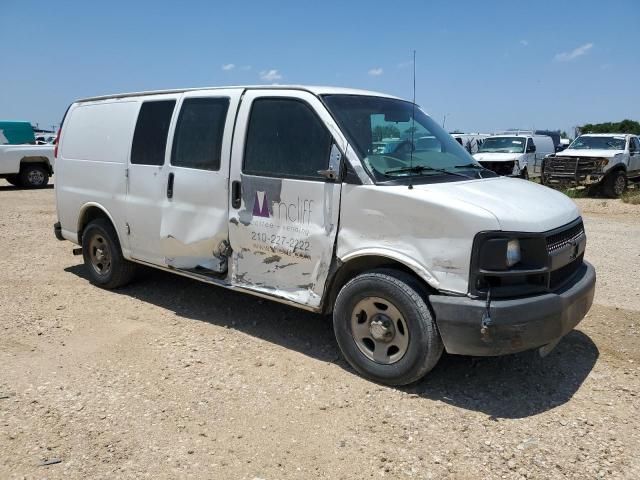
(27, 165)
(605, 161)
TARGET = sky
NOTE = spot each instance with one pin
(482, 66)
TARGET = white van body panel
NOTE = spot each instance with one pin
(194, 222)
(283, 234)
(430, 228)
(91, 171)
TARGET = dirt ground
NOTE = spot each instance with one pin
(171, 378)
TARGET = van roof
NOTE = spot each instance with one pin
(316, 90)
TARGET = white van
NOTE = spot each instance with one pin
(281, 192)
(515, 154)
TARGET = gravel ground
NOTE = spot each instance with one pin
(171, 378)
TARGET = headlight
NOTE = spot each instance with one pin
(513, 252)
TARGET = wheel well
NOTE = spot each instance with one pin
(90, 214)
(40, 160)
(619, 167)
(341, 273)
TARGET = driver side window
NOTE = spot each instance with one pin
(285, 139)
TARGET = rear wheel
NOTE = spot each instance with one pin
(102, 255)
(34, 175)
(615, 184)
(384, 327)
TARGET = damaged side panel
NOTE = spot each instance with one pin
(283, 237)
(430, 233)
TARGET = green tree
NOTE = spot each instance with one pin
(385, 131)
(625, 126)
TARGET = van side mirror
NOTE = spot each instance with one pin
(335, 163)
(531, 148)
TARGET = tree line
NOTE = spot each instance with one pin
(625, 126)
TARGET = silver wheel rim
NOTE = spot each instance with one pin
(100, 255)
(379, 330)
(618, 187)
(35, 177)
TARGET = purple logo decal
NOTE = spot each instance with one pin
(260, 205)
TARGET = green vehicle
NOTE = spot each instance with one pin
(16, 133)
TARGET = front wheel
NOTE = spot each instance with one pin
(384, 327)
(103, 258)
(615, 184)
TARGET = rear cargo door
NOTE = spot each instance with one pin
(194, 229)
(284, 213)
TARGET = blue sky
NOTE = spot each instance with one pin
(485, 65)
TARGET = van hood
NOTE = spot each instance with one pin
(590, 153)
(518, 205)
(496, 157)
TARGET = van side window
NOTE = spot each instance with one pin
(285, 138)
(634, 145)
(150, 136)
(198, 139)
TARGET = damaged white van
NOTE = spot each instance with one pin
(281, 192)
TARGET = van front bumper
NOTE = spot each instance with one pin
(516, 324)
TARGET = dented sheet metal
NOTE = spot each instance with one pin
(194, 223)
(283, 237)
(422, 228)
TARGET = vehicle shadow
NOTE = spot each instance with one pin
(8, 187)
(513, 386)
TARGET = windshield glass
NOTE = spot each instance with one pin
(598, 143)
(503, 145)
(393, 144)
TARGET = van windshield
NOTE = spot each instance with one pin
(598, 143)
(503, 145)
(394, 144)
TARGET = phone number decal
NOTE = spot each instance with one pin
(294, 244)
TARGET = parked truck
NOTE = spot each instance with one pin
(22, 163)
(603, 161)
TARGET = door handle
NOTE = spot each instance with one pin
(170, 185)
(236, 194)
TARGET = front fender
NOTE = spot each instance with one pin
(399, 257)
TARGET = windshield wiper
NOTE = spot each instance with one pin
(422, 168)
(470, 165)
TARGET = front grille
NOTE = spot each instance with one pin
(570, 166)
(501, 168)
(566, 237)
(561, 275)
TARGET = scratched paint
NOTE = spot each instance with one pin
(285, 237)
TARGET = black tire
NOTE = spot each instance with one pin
(34, 175)
(406, 295)
(615, 184)
(524, 174)
(13, 180)
(100, 243)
